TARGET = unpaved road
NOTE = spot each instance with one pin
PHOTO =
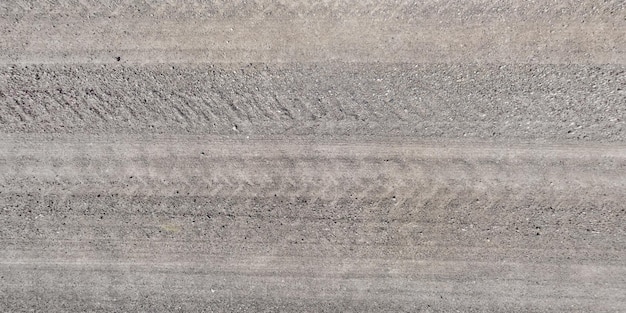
(378, 156)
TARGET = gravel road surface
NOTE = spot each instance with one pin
(312, 156)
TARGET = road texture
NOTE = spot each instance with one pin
(312, 156)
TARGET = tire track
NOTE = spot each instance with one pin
(537, 106)
(421, 180)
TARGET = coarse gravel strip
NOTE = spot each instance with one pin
(497, 101)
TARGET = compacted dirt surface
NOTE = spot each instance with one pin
(312, 156)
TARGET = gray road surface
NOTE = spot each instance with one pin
(312, 156)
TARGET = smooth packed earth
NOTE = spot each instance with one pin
(312, 156)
